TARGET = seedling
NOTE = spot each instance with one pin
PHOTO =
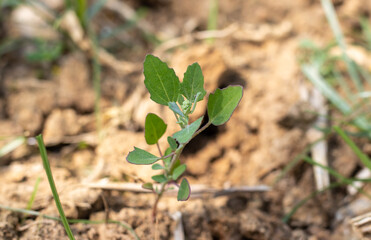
(181, 98)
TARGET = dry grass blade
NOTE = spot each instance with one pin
(12, 146)
(319, 150)
(361, 225)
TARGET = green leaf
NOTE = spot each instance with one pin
(147, 186)
(167, 160)
(175, 108)
(184, 135)
(193, 83)
(161, 81)
(222, 103)
(180, 100)
(154, 128)
(362, 156)
(179, 171)
(172, 143)
(142, 157)
(159, 178)
(184, 190)
(157, 166)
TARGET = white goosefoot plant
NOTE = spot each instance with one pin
(181, 98)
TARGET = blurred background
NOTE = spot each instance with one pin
(296, 149)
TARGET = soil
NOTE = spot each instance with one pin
(265, 134)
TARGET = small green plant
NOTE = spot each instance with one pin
(181, 98)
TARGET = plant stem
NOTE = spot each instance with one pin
(163, 185)
(201, 129)
(167, 170)
(169, 155)
(159, 150)
(175, 157)
(158, 197)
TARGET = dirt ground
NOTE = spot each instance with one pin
(256, 46)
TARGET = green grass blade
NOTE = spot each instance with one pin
(33, 195)
(366, 30)
(287, 217)
(365, 74)
(8, 45)
(97, 72)
(343, 84)
(80, 10)
(333, 172)
(367, 180)
(341, 178)
(32, 198)
(363, 157)
(312, 73)
(297, 159)
(212, 22)
(95, 8)
(48, 171)
(291, 165)
(12, 146)
(335, 27)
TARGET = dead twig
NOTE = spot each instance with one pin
(198, 190)
(37, 222)
(179, 230)
(319, 150)
(71, 25)
(245, 32)
(361, 225)
(127, 13)
(191, 37)
(106, 208)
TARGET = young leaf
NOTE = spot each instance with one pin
(186, 133)
(142, 157)
(172, 143)
(184, 190)
(222, 103)
(179, 171)
(157, 166)
(175, 108)
(159, 178)
(154, 128)
(148, 186)
(193, 83)
(161, 81)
